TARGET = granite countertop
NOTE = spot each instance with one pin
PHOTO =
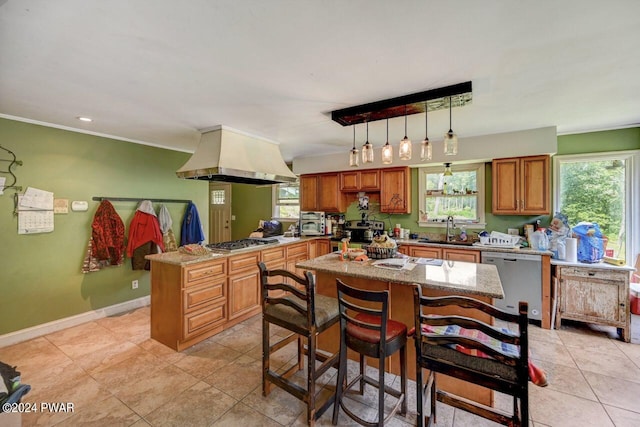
(475, 246)
(460, 277)
(179, 258)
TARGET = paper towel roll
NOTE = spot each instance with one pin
(572, 249)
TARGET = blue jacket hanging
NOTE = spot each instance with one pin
(191, 227)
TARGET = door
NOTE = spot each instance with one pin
(219, 212)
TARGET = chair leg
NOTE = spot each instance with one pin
(419, 395)
(524, 405)
(433, 399)
(362, 372)
(266, 385)
(403, 379)
(340, 382)
(381, 391)
(311, 379)
(300, 353)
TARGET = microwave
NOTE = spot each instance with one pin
(312, 223)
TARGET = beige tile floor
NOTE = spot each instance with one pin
(115, 375)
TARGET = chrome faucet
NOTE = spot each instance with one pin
(450, 226)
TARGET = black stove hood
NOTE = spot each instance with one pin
(228, 155)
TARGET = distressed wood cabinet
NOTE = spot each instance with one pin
(594, 295)
(521, 186)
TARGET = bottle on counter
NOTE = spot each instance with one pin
(396, 231)
(463, 233)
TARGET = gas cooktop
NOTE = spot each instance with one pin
(235, 245)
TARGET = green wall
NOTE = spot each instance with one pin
(41, 278)
(249, 204)
(597, 142)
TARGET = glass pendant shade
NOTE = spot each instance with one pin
(450, 138)
(367, 149)
(354, 155)
(426, 151)
(450, 143)
(387, 150)
(405, 144)
(405, 149)
(387, 154)
(447, 170)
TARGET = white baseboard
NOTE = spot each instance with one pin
(57, 325)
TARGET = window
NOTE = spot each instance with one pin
(286, 201)
(460, 195)
(599, 188)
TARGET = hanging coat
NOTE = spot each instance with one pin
(191, 227)
(169, 239)
(144, 228)
(107, 235)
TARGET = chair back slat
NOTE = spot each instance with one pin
(301, 301)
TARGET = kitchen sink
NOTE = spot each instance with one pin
(444, 242)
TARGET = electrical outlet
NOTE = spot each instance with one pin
(134, 284)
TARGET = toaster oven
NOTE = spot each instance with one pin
(312, 223)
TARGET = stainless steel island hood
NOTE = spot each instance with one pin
(227, 155)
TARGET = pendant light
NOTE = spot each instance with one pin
(387, 150)
(367, 149)
(447, 170)
(450, 138)
(426, 151)
(405, 144)
(354, 157)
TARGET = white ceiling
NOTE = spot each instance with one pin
(156, 71)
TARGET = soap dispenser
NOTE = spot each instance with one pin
(463, 233)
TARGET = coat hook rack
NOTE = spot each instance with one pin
(138, 199)
(13, 161)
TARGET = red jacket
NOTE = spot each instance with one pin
(107, 234)
(144, 228)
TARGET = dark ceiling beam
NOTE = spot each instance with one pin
(395, 107)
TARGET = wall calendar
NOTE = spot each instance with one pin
(35, 211)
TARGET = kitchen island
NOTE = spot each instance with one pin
(443, 277)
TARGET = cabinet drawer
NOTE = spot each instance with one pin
(594, 273)
(203, 320)
(425, 252)
(196, 297)
(242, 262)
(193, 275)
(297, 250)
(274, 254)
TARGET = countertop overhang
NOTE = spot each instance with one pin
(454, 276)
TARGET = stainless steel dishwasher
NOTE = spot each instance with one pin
(521, 277)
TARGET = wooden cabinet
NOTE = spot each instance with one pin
(308, 192)
(320, 192)
(466, 255)
(425, 252)
(594, 295)
(365, 180)
(244, 285)
(188, 304)
(395, 190)
(319, 247)
(521, 186)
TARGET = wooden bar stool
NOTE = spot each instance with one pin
(471, 350)
(369, 332)
(299, 310)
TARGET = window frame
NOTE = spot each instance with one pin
(632, 191)
(275, 205)
(481, 195)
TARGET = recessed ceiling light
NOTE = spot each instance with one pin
(85, 119)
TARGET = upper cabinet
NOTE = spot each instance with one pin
(308, 192)
(366, 180)
(329, 192)
(320, 192)
(395, 190)
(521, 186)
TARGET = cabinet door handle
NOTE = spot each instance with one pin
(592, 273)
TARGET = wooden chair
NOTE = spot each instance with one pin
(369, 332)
(299, 310)
(448, 344)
